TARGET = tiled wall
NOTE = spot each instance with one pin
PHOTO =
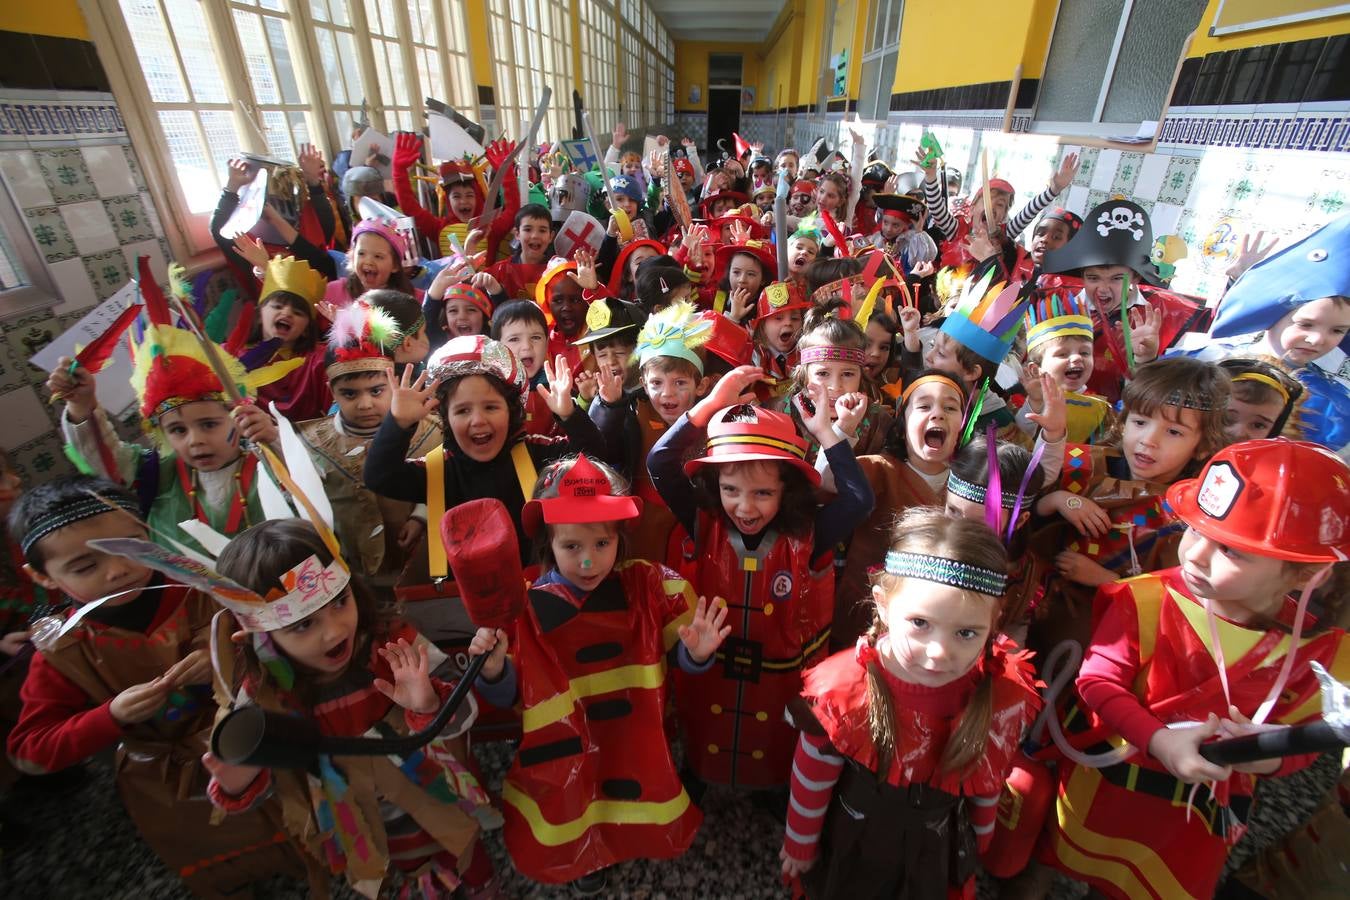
(69, 169)
(1215, 175)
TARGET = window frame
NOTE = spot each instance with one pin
(878, 48)
(39, 291)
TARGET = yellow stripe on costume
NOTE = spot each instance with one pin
(599, 812)
(437, 564)
(1339, 669)
(673, 587)
(1109, 858)
(559, 706)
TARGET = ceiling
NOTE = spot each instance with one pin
(741, 21)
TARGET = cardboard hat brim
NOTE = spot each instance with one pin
(621, 262)
(600, 334)
(1103, 242)
(578, 511)
(694, 465)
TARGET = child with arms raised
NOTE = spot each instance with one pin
(321, 650)
(133, 674)
(1182, 654)
(602, 626)
(761, 543)
(907, 738)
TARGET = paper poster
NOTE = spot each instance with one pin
(114, 382)
(382, 144)
(252, 196)
(649, 146)
(450, 141)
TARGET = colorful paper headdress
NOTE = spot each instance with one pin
(1311, 269)
(810, 227)
(987, 317)
(585, 495)
(363, 339)
(286, 273)
(675, 331)
(470, 294)
(457, 171)
(475, 354)
(1056, 316)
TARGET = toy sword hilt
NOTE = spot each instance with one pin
(1331, 733)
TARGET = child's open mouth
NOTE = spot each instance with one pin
(482, 438)
(368, 275)
(748, 526)
(1143, 461)
(527, 363)
(799, 261)
(669, 409)
(1074, 374)
(786, 339)
(282, 326)
(935, 438)
(339, 653)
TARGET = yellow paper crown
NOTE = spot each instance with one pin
(286, 273)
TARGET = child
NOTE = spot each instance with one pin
(199, 470)
(623, 270)
(761, 544)
(831, 356)
(314, 645)
(671, 375)
(1204, 643)
(454, 309)
(900, 232)
(286, 328)
(802, 199)
(21, 599)
(1055, 229)
(1295, 307)
(910, 470)
(520, 325)
(740, 272)
(609, 343)
(376, 533)
(1112, 494)
(478, 388)
(559, 295)
(1263, 399)
(515, 278)
(134, 676)
(660, 284)
(1059, 343)
(377, 258)
(927, 710)
(777, 326)
(598, 628)
(406, 315)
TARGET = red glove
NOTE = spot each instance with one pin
(407, 150)
(497, 152)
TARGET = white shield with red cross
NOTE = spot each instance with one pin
(578, 231)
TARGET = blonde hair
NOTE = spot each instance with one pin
(930, 531)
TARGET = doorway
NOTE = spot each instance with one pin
(724, 117)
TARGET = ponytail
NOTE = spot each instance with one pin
(966, 743)
(880, 706)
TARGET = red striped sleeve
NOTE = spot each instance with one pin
(982, 812)
(815, 771)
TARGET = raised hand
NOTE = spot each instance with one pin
(742, 304)
(252, 250)
(407, 150)
(620, 134)
(75, 386)
(410, 668)
(1053, 416)
(820, 423)
(311, 163)
(706, 631)
(731, 389)
(498, 151)
(558, 392)
(1064, 175)
(493, 643)
(740, 232)
(929, 167)
(1249, 254)
(410, 401)
(587, 385)
(237, 174)
(255, 424)
(486, 283)
(585, 274)
(610, 384)
(1146, 337)
(849, 411)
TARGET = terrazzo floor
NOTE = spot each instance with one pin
(80, 844)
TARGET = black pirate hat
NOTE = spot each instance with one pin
(903, 205)
(1114, 233)
(608, 317)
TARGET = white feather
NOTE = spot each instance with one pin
(357, 450)
(270, 497)
(213, 541)
(301, 466)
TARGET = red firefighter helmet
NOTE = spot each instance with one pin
(1285, 499)
(746, 433)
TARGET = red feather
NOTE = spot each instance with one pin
(840, 245)
(156, 305)
(96, 355)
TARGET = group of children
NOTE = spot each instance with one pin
(853, 464)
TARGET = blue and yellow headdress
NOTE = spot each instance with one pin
(676, 331)
(1056, 316)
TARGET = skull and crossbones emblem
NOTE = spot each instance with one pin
(1122, 218)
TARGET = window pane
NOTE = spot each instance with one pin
(1079, 50)
(155, 51)
(1148, 57)
(351, 72)
(319, 10)
(197, 173)
(281, 57)
(11, 271)
(278, 135)
(255, 57)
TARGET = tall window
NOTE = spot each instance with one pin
(599, 73)
(336, 39)
(531, 47)
(1111, 61)
(878, 60)
(262, 29)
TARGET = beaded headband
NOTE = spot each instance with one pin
(1187, 400)
(976, 493)
(946, 571)
(76, 511)
(928, 379)
(830, 353)
(1266, 380)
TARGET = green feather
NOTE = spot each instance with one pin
(217, 322)
(77, 460)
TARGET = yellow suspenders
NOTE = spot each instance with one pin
(435, 463)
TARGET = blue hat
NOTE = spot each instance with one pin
(627, 186)
(1317, 266)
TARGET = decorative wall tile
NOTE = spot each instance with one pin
(110, 170)
(54, 120)
(151, 248)
(72, 286)
(89, 225)
(134, 167)
(24, 179)
(1127, 174)
(25, 417)
(1087, 165)
(66, 175)
(1176, 184)
(13, 369)
(50, 234)
(28, 335)
(107, 272)
(1166, 217)
(129, 218)
(1105, 173)
(1151, 173)
(40, 460)
(1094, 198)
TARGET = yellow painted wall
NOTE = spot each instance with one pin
(945, 43)
(54, 18)
(1280, 34)
(476, 28)
(691, 67)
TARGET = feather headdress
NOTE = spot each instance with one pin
(675, 331)
(363, 339)
(987, 316)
